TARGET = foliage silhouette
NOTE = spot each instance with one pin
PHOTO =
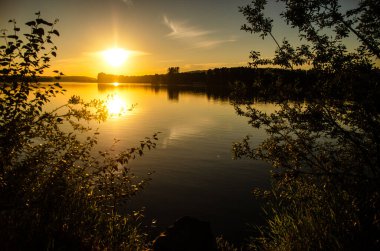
(322, 26)
(173, 70)
(324, 152)
(56, 192)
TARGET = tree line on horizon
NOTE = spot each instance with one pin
(216, 76)
(260, 83)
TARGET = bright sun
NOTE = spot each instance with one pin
(116, 56)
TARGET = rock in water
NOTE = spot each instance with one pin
(187, 234)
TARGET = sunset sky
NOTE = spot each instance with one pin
(191, 34)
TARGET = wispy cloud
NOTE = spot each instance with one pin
(197, 37)
(183, 30)
(128, 2)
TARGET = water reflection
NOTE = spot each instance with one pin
(174, 92)
(194, 173)
(188, 129)
(117, 106)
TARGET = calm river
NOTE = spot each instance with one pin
(193, 170)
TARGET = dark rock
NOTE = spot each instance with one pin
(187, 234)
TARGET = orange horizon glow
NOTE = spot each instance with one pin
(155, 36)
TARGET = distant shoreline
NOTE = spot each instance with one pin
(78, 79)
(212, 76)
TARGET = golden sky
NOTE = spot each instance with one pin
(155, 35)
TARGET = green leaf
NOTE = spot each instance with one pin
(55, 32)
(12, 36)
(40, 32)
(41, 21)
(9, 50)
(31, 23)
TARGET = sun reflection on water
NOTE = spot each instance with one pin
(117, 106)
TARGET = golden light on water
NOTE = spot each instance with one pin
(116, 106)
(115, 57)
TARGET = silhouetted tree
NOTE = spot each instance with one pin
(173, 70)
(324, 152)
(55, 191)
(322, 26)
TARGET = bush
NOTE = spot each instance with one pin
(325, 159)
(55, 191)
(324, 152)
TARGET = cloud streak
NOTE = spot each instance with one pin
(197, 37)
(128, 2)
(182, 30)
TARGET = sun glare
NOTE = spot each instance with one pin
(116, 106)
(116, 56)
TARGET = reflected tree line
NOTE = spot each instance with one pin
(262, 85)
(174, 91)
